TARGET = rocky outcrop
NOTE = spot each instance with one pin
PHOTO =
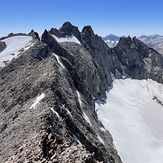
(34, 34)
(2, 46)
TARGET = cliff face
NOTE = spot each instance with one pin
(134, 59)
(47, 95)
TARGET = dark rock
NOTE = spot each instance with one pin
(34, 34)
(134, 59)
(67, 29)
(2, 46)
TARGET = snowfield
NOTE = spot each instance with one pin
(67, 39)
(14, 45)
(133, 114)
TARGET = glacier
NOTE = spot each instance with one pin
(133, 113)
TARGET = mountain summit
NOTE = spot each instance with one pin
(50, 89)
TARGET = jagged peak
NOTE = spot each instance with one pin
(34, 34)
(88, 29)
(67, 25)
(125, 41)
(69, 29)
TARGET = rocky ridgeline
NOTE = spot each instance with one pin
(66, 77)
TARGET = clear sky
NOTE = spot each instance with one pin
(119, 17)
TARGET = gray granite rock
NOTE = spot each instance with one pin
(2, 46)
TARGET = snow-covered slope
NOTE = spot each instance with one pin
(133, 113)
(15, 45)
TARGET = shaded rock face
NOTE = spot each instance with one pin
(134, 59)
(2, 46)
(47, 96)
(96, 54)
(66, 29)
(34, 35)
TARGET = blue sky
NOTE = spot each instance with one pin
(120, 17)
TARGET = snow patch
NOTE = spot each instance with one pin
(15, 45)
(37, 101)
(100, 139)
(67, 110)
(134, 119)
(67, 39)
(55, 112)
(102, 129)
(58, 60)
(79, 98)
(86, 118)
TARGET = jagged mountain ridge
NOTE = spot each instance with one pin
(70, 75)
(153, 41)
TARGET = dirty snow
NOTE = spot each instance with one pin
(135, 119)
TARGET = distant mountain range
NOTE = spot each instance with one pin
(153, 41)
(111, 40)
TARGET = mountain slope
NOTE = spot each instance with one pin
(14, 46)
(48, 94)
(133, 114)
(47, 109)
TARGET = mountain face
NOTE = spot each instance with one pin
(153, 41)
(49, 88)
